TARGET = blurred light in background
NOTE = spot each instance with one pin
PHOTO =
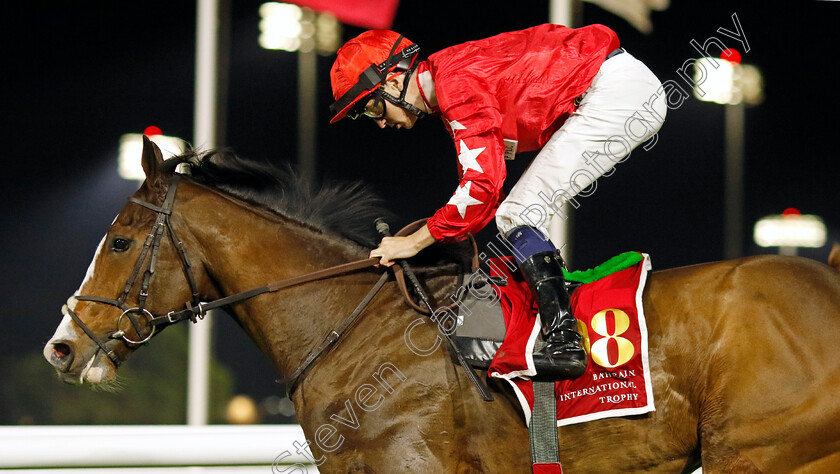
(274, 405)
(327, 34)
(291, 28)
(280, 26)
(790, 230)
(726, 81)
(242, 410)
(131, 151)
(714, 81)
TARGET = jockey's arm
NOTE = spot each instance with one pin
(402, 247)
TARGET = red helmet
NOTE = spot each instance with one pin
(362, 66)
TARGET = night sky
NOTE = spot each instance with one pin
(78, 75)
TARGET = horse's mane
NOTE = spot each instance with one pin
(347, 209)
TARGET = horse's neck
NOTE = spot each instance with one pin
(244, 248)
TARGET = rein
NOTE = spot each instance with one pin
(200, 310)
(293, 380)
(196, 310)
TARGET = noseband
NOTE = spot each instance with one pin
(149, 252)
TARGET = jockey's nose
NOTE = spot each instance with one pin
(60, 354)
(380, 122)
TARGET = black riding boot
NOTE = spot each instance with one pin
(563, 355)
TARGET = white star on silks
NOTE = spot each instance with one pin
(462, 199)
(456, 125)
(468, 158)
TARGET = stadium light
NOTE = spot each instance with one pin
(727, 81)
(288, 27)
(291, 28)
(789, 231)
(129, 164)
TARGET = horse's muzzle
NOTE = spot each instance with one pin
(60, 355)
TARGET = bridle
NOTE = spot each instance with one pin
(151, 246)
(196, 309)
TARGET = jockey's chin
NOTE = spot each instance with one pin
(410, 120)
(400, 119)
(405, 124)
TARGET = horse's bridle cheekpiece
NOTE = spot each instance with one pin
(149, 252)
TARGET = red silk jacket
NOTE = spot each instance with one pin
(517, 86)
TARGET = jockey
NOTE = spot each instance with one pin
(573, 94)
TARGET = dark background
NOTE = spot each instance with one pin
(78, 75)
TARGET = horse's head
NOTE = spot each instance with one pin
(139, 273)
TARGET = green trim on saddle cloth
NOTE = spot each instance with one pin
(615, 264)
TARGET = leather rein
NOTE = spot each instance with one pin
(196, 309)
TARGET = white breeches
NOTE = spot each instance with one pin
(623, 107)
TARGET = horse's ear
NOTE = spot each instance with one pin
(152, 163)
(834, 256)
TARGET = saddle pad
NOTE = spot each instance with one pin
(611, 319)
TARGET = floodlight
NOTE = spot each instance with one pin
(131, 152)
(790, 229)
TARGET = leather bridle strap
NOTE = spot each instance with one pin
(400, 276)
(150, 246)
(293, 380)
(199, 310)
(102, 345)
(165, 220)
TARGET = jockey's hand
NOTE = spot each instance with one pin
(402, 247)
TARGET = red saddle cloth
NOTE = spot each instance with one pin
(611, 319)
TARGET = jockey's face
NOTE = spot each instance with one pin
(395, 116)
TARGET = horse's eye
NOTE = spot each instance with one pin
(120, 244)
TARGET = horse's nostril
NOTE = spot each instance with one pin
(61, 350)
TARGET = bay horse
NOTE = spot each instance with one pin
(743, 353)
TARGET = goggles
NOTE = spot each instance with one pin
(364, 107)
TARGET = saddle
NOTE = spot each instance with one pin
(481, 322)
(481, 330)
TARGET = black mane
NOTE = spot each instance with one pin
(347, 209)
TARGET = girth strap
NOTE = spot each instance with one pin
(542, 429)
